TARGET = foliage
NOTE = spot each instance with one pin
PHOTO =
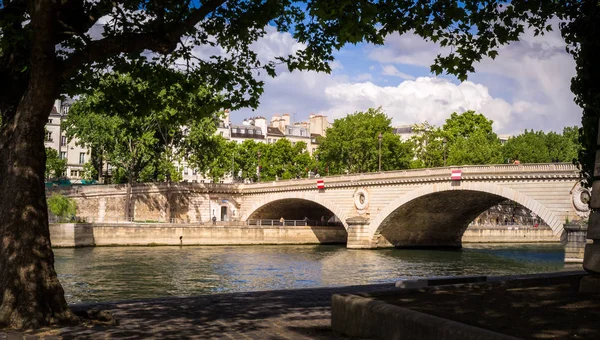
(352, 144)
(427, 145)
(55, 167)
(89, 171)
(477, 148)
(540, 147)
(62, 206)
(143, 121)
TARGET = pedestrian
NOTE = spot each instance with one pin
(282, 221)
(322, 220)
(214, 219)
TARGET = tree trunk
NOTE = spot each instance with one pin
(30, 293)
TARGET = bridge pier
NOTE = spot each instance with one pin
(359, 236)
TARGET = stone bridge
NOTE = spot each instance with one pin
(410, 208)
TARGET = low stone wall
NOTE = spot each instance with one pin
(82, 234)
(514, 234)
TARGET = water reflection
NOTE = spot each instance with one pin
(107, 273)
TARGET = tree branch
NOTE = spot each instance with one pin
(161, 42)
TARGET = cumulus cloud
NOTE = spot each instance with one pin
(390, 70)
(426, 98)
(533, 75)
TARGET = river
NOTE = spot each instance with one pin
(118, 273)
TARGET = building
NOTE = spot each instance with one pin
(405, 132)
(56, 139)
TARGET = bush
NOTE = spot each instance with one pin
(63, 207)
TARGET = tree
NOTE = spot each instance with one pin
(540, 147)
(477, 148)
(55, 167)
(427, 145)
(465, 124)
(46, 50)
(352, 144)
(471, 140)
(63, 207)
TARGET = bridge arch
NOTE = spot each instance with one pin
(298, 197)
(438, 214)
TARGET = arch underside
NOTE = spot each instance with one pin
(434, 220)
(292, 209)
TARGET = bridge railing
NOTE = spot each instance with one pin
(289, 223)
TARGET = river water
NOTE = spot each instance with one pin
(117, 273)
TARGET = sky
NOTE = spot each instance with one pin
(525, 87)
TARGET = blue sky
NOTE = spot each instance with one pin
(526, 87)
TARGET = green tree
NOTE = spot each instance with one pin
(428, 147)
(62, 207)
(470, 140)
(465, 124)
(55, 167)
(352, 144)
(528, 147)
(34, 71)
(90, 172)
(477, 148)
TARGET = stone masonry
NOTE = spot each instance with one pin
(421, 207)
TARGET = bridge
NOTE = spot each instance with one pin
(408, 208)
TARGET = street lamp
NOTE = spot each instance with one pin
(380, 137)
(258, 154)
(444, 145)
(317, 158)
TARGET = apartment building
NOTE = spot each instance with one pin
(56, 138)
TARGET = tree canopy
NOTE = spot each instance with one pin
(352, 144)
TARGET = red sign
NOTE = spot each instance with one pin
(320, 184)
(456, 175)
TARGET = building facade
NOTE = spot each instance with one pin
(69, 150)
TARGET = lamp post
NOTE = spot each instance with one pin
(444, 145)
(380, 137)
(317, 158)
(233, 167)
(258, 154)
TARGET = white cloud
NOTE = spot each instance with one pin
(390, 70)
(426, 98)
(533, 73)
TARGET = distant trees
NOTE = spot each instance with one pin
(149, 147)
(55, 167)
(352, 144)
(540, 147)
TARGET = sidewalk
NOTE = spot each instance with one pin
(284, 314)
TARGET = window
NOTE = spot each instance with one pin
(221, 133)
(234, 130)
(269, 141)
(74, 173)
(242, 131)
(63, 155)
(185, 170)
(63, 140)
(49, 121)
(81, 157)
(250, 132)
(48, 136)
(289, 131)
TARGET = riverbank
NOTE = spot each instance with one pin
(283, 314)
(152, 234)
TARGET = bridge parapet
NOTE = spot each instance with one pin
(469, 172)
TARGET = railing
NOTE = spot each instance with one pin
(291, 223)
(259, 223)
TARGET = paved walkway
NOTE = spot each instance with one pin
(285, 314)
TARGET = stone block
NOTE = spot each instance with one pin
(597, 164)
(595, 201)
(589, 284)
(593, 231)
(591, 259)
